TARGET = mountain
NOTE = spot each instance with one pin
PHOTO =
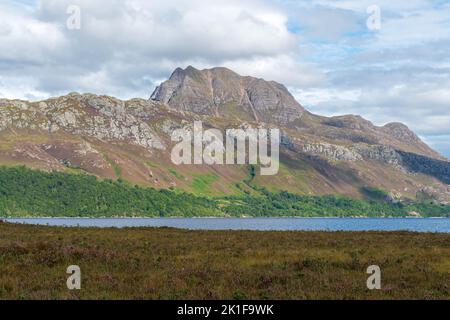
(131, 140)
(221, 92)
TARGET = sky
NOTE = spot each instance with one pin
(388, 61)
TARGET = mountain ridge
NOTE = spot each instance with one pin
(112, 138)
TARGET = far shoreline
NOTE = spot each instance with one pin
(217, 218)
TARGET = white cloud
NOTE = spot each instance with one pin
(25, 38)
(124, 47)
(282, 68)
(319, 96)
(20, 87)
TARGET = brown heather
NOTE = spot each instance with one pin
(166, 263)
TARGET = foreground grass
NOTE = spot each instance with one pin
(166, 263)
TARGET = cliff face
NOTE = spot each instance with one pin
(112, 138)
(222, 92)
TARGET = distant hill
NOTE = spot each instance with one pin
(111, 138)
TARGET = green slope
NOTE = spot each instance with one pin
(25, 192)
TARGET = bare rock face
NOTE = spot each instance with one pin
(222, 92)
(406, 136)
(380, 153)
(332, 152)
(401, 132)
(103, 118)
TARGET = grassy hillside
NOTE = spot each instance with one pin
(143, 263)
(25, 192)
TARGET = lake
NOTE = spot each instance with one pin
(281, 224)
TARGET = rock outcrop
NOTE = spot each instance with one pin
(222, 92)
(103, 118)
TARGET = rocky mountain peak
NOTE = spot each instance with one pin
(222, 92)
(401, 132)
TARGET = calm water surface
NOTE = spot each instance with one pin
(282, 224)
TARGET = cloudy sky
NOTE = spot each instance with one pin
(330, 53)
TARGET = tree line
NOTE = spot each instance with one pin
(25, 192)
